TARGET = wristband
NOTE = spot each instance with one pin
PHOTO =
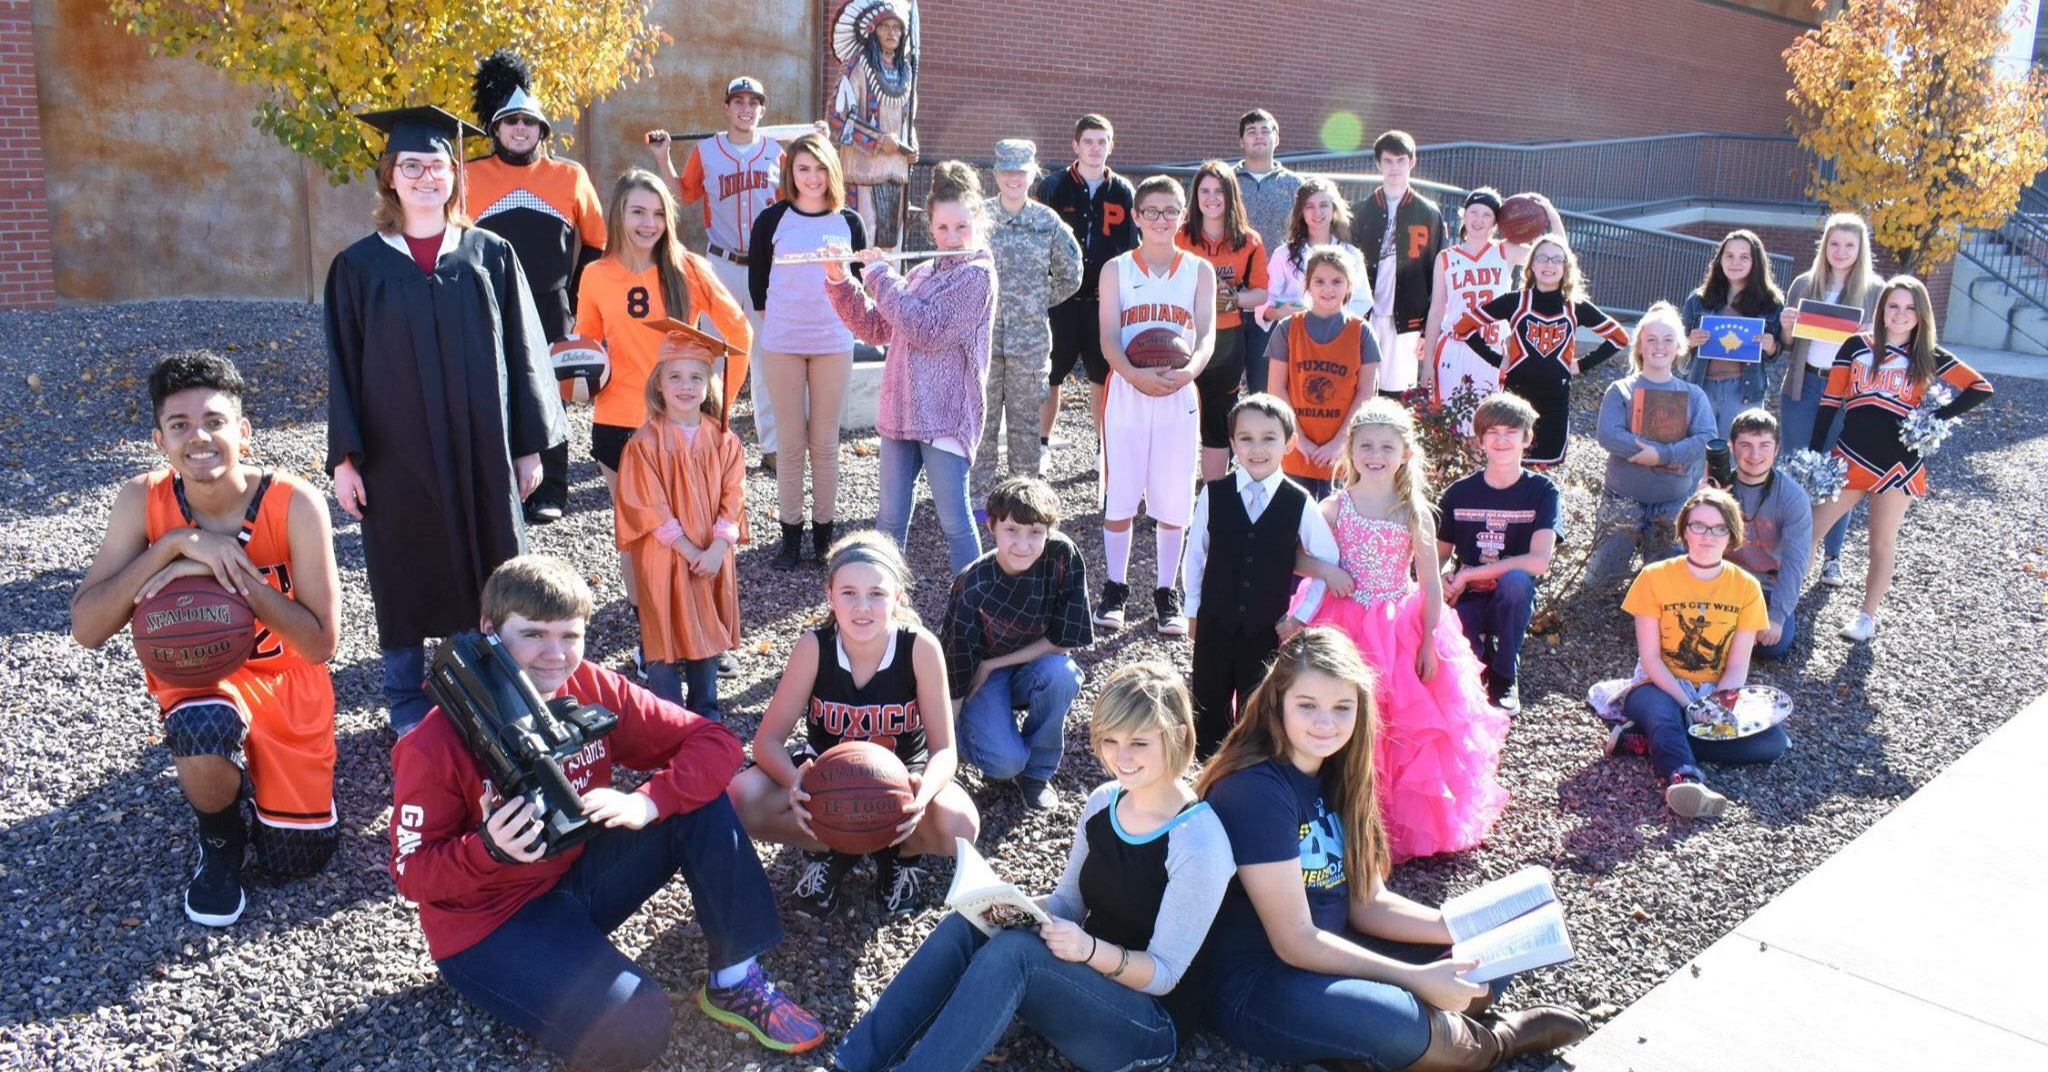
(1123, 961)
(1094, 944)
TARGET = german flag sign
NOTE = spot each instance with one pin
(1822, 322)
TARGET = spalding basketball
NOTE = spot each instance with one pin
(582, 367)
(1521, 219)
(1159, 348)
(194, 632)
(859, 792)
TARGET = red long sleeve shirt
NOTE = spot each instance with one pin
(439, 792)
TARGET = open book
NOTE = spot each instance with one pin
(989, 902)
(1510, 926)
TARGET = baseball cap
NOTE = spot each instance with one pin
(745, 84)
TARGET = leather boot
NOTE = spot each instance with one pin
(792, 553)
(1458, 1043)
(821, 541)
(1537, 1029)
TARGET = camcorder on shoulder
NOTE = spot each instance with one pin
(521, 740)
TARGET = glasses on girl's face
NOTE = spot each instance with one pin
(1698, 529)
(1553, 259)
(1159, 213)
(413, 169)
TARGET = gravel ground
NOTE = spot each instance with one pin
(101, 969)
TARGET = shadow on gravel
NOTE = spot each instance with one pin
(420, 1027)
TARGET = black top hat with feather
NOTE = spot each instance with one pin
(504, 86)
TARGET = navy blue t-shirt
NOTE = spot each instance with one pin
(1274, 812)
(1487, 524)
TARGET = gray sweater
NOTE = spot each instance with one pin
(1777, 540)
(1679, 465)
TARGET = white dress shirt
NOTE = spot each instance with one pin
(1313, 534)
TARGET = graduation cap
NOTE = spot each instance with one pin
(423, 129)
(669, 325)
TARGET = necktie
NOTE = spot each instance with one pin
(1255, 500)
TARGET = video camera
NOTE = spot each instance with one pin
(520, 739)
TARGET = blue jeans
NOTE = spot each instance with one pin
(1630, 524)
(1674, 751)
(950, 1004)
(696, 677)
(405, 692)
(1777, 652)
(1726, 398)
(992, 739)
(1255, 367)
(1496, 622)
(947, 474)
(1795, 423)
(550, 971)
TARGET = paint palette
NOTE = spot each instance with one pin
(1732, 714)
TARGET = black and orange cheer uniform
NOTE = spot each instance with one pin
(1543, 355)
(1874, 398)
(884, 711)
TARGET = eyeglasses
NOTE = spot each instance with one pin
(1698, 529)
(413, 169)
(1173, 213)
(519, 120)
(1552, 259)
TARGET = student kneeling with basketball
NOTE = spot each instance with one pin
(524, 937)
(872, 673)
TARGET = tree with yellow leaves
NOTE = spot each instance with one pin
(320, 61)
(1927, 135)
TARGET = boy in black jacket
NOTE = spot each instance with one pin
(1096, 203)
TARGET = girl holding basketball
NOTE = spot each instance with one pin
(1101, 980)
(1541, 321)
(1480, 268)
(1219, 232)
(871, 673)
(1152, 418)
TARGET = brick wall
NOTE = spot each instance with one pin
(1798, 243)
(26, 279)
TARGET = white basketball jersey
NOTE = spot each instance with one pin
(1474, 281)
(1148, 301)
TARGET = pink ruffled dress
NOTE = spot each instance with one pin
(1440, 740)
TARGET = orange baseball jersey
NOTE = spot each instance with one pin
(286, 701)
(611, 300)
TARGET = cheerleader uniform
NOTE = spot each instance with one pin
(1542, 355)
(1874, 398)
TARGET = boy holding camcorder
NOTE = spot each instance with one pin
(522, 934)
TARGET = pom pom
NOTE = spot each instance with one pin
(1922, 431)
(1822, 475)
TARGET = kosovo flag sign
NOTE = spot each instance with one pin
(1733, 338)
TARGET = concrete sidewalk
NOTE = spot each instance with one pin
(1918, 947)
(1991, 364)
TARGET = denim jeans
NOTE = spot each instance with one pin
(1795, 423)
(960, 991)
(1674, 751)
(696, 678)
(1726, 398)
(1255, 367)
(551, 972)
(992, 739)
(1497, 621)
(947, 474)
(1630, 524)
(1279, 1012)
(405, 690)
(1777, 652)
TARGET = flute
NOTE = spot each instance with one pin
(824, 256)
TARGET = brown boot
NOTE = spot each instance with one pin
(1458, 1043)
(1537, 1029)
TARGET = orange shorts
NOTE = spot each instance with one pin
(289, 745)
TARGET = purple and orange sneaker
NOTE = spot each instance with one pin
(758, 1008)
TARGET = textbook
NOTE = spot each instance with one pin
(1660, 416)
(1510, 926)
(989, 902)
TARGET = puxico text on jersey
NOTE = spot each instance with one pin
(866, 721)
(733, 184)
(1159, 313)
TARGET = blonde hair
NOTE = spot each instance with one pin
(389, 215)
(1659, 312)
(874, 549)
(819, 148)
(657, 400)
(1333, 257)
(1347, 777)
(1861, 275)
(1573, 285)
(668, 249)
(1921, 347)
(1412, 505)
(1146, 696)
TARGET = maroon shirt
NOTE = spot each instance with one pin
(426, 252)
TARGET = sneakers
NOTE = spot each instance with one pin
(1505, 695)
(1625, 738)
(1166, 602)
(1860, 628)
(1831, 573)
(899, 885)
(1690, 797)
(640, 661)
(817, 886)
(1038, 796)
(214, 898)
(1109, 610)
(758, 1008)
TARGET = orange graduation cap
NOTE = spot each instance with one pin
(735, 358)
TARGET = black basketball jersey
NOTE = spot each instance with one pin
(884, 710)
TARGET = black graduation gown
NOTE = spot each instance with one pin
(435, 383)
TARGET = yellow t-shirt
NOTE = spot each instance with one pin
(1697, 620)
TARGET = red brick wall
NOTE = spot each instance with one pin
(26, 281)
(995, 69)
(1798, 243)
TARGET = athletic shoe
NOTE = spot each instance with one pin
(1831, 573)
(1166, 602)
(1625, 738)
(817, 887)
(1109, 611)
(899, 886)
(640, 662)
(727, 665)
(1505, 695)
(1038, 796)
(758, 1008)
(214, 898)
(1690, 797)
(1860, 628)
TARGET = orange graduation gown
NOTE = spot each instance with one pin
(699, 482)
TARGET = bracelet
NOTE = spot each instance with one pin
(1123, 961)
(1094, 944)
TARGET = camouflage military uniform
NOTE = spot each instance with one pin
(1038, 266)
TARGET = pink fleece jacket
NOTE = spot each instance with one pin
(937, 323)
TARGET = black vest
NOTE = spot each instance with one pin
(1249, 577)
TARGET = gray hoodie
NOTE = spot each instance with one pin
(1643, 483)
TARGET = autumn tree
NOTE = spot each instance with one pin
(1928, 136)
(319, 61)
